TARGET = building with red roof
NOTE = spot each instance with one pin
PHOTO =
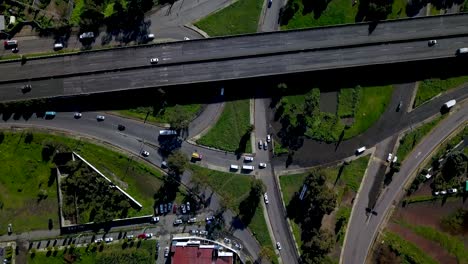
(193, 252)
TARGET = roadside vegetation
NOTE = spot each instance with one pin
(232, 131)
(358, 109)
(243, 195)
(395, 249)
(28, 177)
(413, 137)
(330, 192)
(239, 18)
(432, 87)
(300, 14)
(165, 115)
(124, 251)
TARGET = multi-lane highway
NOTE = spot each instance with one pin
(236, 57)
(363, 227)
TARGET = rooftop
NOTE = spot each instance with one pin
(194, 253)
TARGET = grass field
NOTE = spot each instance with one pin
(372, 103)
(350, 179)
(24, 177)
(226, 134)
(337, 12)
(191, 110)
(411, 139)
(238, 18)
(452, 244)
(409, 252)
(233, 188)
(140, 252)
(429, 88)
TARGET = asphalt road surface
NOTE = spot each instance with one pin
(275, 209)
(172, 74)
(245, 45)
(363, 227)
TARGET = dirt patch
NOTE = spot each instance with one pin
(431, 248)
(329, 102)
(429, 213)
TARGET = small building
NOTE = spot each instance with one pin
(193, 252)
(2, 22)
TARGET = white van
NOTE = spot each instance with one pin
(462, 51)
(58, 46)
(360, 150)
(248, 167)
(167, 132)
(234, 167)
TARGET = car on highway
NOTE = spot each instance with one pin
(154, 60)
(395, 159)
(26, 88)
(248, 158)
(108, 239)
(436, 193)
(167, 132)
(268, 138)
(265, 145)
(145, 153)
(186, 38)
(389, 157)
(432, 42)
(265, 198)
(177, 222)
(360, 150)
(278, 245)
(443, 192)
(400, 105)
(260, 144)
(270, 2)
(462, 51)
(87, 35)
(262, 165)
(15, 50)
(166, 252)
(121, 127)
(77, 115)
(12, 43)
(100, 117)
(58, 46)
(150, 36)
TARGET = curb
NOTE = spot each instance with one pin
(206, 129)
(197, 30)
(410, 106)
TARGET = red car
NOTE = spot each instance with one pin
(142, 236)
(174, 209)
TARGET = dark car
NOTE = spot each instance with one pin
(121, 127)
(399, 106)
(269, 3)
(26, 88)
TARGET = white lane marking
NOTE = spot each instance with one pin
(408, 47)
(164, 59)
(419, 153)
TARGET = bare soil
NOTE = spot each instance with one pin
(431, 248)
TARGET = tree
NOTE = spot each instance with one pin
(315, 250)
(177, 162)
(379, 9)
(179, 119)
(455, 166)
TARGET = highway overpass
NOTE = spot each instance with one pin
(236, 57)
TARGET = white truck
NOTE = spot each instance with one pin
(450, 104)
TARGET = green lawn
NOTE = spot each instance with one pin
(452, 244)
(238, 18)
(337, 12)
(25, 176)
(139, 252)
(411, 139)
(233, 188)
(431, 87)
(409, 252)
(350, 179)
(232, 125)
(140, 113)
(372, 103)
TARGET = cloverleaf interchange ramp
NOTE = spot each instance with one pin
(236, 57)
